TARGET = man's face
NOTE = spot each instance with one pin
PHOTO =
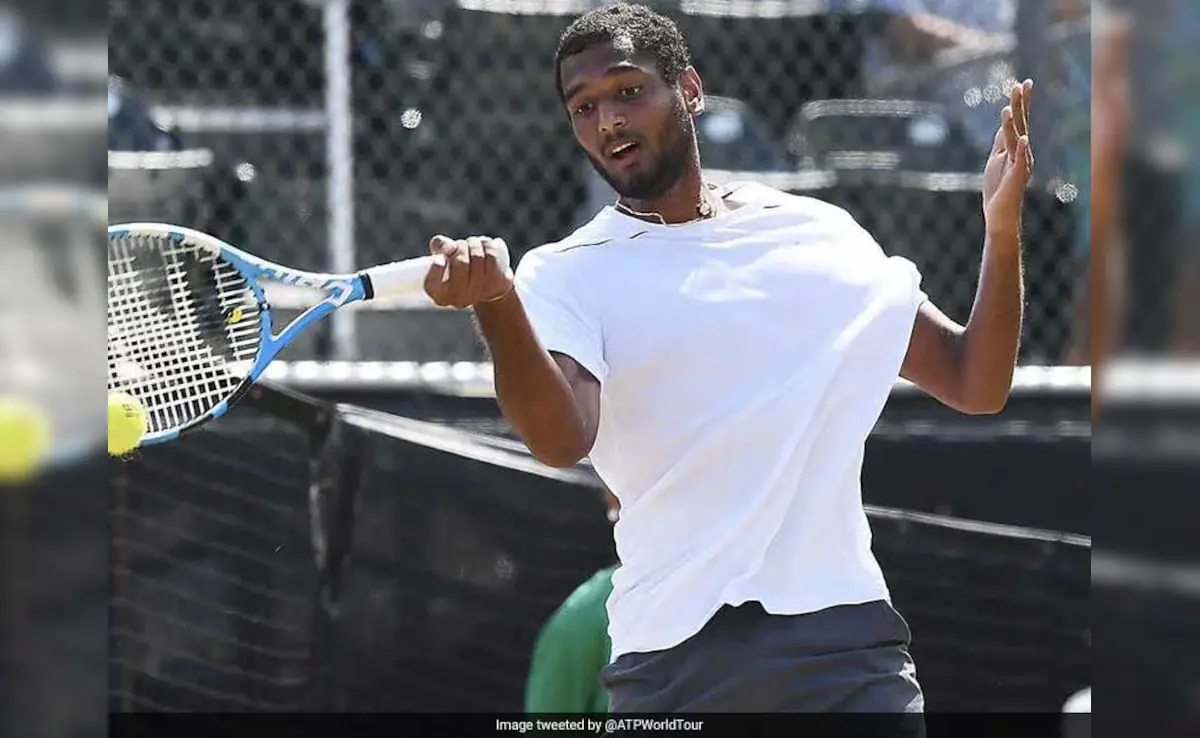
(634, 126)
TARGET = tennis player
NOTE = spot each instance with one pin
(721, 354)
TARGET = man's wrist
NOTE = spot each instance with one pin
(500, 301)
(1002, 237)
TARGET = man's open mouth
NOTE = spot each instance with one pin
(622, 151)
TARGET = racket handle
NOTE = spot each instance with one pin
(396, 279)
(408, 277)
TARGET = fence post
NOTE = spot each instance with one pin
(339, 159)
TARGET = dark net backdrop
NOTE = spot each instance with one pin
(404, 561)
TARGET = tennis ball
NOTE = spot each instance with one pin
(24, 439)
(126, 423)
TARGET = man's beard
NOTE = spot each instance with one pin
(664, 172)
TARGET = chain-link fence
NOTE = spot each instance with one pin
(331, 134)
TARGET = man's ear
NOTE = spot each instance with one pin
(693, 90)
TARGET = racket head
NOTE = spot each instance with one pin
(188, 324)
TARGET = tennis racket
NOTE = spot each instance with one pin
(189, 326)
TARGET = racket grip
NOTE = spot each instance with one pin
(396, 279)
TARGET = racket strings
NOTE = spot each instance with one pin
(163, 334)
(183, 327)
(171, 355)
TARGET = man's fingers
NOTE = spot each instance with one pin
(1001, 142)
(458, 271)
(1016, 103)
(1020, 170)
(1008, 131)
(440, 247)
(465, 270)
(495, 254)
(1021, 107)
(435, 280)
(998, 139)
(436, 276)
(475, 255)
(1024, 156)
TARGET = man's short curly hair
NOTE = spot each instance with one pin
(650, 33)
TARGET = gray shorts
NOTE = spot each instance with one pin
(851, 658)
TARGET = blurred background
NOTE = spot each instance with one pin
(1146, 451)
(321, 549)
(53, 502)
(336, 135)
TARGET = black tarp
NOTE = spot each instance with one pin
(412, 578)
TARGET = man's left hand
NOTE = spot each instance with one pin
(1010, 165)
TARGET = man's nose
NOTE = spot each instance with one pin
(612, 119)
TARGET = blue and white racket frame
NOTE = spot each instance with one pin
(401, 277)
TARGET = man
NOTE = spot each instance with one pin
(722, 354)
(573, 646)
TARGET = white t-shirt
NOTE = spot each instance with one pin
(743, 360)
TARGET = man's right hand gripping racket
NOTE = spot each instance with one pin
(189, 327)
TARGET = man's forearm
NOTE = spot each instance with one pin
(533, 394)
(993, 332)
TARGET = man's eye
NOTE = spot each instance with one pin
(631, 91)
(582, 110)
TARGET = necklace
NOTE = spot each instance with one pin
(704, 209)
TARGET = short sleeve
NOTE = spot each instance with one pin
(902, 271)
(910, 276)
(557, 310)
